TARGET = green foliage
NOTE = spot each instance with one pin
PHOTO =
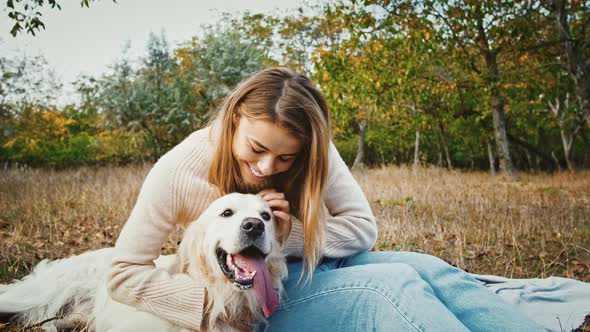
(171, 95)
(26, 14)
(50, 137)
(347, 148)
(425, 66)
(140, 109)
(401, 66)
(218, 62)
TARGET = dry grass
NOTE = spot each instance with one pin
(55, 214)
(537, 227)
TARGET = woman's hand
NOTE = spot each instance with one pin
(280, 209)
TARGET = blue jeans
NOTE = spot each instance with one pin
(392, 291)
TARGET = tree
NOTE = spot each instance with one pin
(27, 14)
(28, 80)
(572, 21)
(488, 30)
(218, 61)
(168, 95)
(569, 126)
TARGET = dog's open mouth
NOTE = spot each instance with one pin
(248, 269)
(241, 268)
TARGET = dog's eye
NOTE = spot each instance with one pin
(227, 213)
(265, 216)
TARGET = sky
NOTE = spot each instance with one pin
(87, 40)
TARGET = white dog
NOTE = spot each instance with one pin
(234, 246)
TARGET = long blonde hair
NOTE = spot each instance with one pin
(291, 101)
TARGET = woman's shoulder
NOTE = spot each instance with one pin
(184, 166)
(193, 154)
(335, 161)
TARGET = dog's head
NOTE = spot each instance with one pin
(235, 247)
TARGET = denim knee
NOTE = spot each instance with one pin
(378, 297)
(434, 269)
(427, 266)
(371, 297)
(391, 289)
(469, 301)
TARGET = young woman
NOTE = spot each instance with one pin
(271, 137)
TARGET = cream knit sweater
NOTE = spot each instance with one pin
(175, 192)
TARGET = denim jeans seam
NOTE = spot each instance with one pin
(394, 304)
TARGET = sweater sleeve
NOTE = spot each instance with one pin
(134, 280)
(350, 225)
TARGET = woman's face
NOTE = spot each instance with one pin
(262, 149)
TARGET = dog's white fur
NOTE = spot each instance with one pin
(76, 286)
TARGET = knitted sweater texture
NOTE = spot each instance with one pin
(176, 192)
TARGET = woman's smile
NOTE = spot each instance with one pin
(263, 148)
(253, 172)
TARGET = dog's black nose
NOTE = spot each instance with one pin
(253, 227)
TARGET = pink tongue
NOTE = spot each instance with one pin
(267, 296)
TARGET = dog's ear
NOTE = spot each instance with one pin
(188, 247)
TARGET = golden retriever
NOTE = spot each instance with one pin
(234, 246)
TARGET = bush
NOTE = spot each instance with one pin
(48, 137)
(347, 148)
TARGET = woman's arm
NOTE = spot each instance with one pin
(134, 280)
(350, 225)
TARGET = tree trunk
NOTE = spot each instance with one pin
(567, 139)
(496, 99)
(577, 64)
(556, 160)
(417, 149)
(497, 108)
(359, 160)
(583, 94)
(443, 140)
(568, 143)
(567, 151)
(491, 159)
